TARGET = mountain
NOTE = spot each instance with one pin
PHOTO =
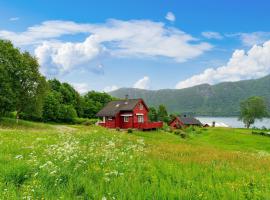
(212, 100)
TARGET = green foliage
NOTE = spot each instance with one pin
(261, 133)
(162, 113)
(22, 86)
(152, 114)
(93, 102)
(251, 109)
(67, 113)
(129, 130)
(222, 99)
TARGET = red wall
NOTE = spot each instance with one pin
(118, 121)
(173, 124)
(110, 123)
(144, 111)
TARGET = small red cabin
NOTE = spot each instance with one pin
(128, 113)
(181, 122)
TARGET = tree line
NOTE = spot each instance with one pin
(27, 94)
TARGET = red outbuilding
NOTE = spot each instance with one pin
(128, 113)
(184, 121)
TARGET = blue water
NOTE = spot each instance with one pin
(233, 121)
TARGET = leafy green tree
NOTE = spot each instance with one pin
(21, 81)
(6, 94)
(29, 86)
(67, 113)
(69, 96)
(51, 107)
(162, 113)
(93, 102)
(152, 114)
(251, 109)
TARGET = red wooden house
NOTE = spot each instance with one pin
(184, 121)
(128, 113)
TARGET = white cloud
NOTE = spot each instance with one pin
(134, 38)
(110, 88)
(142, 83)
(242, 65)
(14, 19)
(250, 39)
(170, 16)
(66, 55)
(212, 35)
(46, 30)
(81, 87)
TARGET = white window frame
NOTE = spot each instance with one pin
(126, 118)
(109, 118)
(140, 119)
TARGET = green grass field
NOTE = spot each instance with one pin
(41, 161)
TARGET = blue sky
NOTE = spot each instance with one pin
(104, 45)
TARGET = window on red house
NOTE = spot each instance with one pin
(140, 119)
(125, 118)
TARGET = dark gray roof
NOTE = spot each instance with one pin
(114, 107)
(189, 120)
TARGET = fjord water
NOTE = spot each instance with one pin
(234, 122)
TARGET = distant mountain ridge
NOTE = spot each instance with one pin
(209, 100)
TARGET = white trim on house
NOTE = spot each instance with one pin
(126, 115)
(139, 113)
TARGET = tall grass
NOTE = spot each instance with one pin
(78, 162)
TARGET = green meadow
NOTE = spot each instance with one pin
(42, 161)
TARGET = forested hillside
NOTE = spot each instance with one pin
(218, 100)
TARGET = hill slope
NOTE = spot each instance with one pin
(217, 100)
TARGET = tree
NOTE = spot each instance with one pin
(93, 102)
(152, 114)
(251, 109)
(6, 94)
(162, 113)
(9, 56)
(21, 81)
(51, 107)
(29, 86)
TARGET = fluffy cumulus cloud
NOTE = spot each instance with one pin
(142, 83)
(212, 35)
(66, 55)
(170, 16)
(134, 38)
(110, 88)
(242, 65)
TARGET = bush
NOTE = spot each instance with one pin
(130, 130)
(117, 129)
(78, 120)
(90, 122)
(261, 133)
(67, 113)
(183, 135)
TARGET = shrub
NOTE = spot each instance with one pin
(117, 129)
(129, 130)
(177, 132)
(183, 135)
(78, 120)
(90, 122)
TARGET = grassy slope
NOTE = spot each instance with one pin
(53, 161)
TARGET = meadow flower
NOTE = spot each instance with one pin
(19, 157)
